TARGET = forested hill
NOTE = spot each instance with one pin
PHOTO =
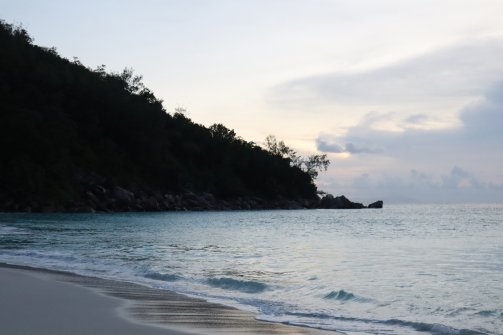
(72, 138)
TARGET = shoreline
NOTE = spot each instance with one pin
(118, 199)
(42, 301)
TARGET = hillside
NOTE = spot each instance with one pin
(73, 138)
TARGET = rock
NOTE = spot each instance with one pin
(100, 190)
(98, 194)
(90, 195)
(170, 198)
(48, 209)
(151, 204)
(84, 209)
(123, 195)
(377, 204)
(198, 202)
(102, 207)
(9, 205)
(340, 202)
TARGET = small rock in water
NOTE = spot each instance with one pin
(377, 204)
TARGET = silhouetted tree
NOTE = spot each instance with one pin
(311, 165)
(280, 149)
(219, 131)
(315, 163)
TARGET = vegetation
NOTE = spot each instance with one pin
(63, 125)
(311, 165)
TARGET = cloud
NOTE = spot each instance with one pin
(457, 185)
(359, 139)
(480, 130)
(485, 117)
(436, 112)
(327, 144)
(471, 151)
(459, 70)
(416, 121)
(459, 178)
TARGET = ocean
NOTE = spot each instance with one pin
(403, 269)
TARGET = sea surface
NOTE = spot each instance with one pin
(404, 269)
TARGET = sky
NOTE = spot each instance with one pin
(404, 96)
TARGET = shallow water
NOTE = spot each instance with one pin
(415, 269)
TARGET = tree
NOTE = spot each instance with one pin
(220, 131)
(133, 83)
(311, 165)
(17, 32)
(315, 163)
(280, 149)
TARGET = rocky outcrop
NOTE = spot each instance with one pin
(377, 204)
(101, 195)
(341, 202)
(123, 195)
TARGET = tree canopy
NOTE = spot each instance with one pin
(63, 125)
(312, 165)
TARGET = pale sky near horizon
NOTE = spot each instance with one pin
(405, 96)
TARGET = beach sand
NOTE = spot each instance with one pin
(43, 302)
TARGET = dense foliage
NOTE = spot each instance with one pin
(62, 123)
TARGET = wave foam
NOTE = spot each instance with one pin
(432, 328)
(161, 276)
(342, 295)
(237, 285)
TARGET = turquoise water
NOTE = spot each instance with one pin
(415, 269)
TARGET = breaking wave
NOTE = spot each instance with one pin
(432, 328)
(237, 285)
(161, 276)
(342, 295)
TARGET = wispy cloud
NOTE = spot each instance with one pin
(458, 70)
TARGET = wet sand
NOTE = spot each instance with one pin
(46, 302)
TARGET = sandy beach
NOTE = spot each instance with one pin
(44, 302)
